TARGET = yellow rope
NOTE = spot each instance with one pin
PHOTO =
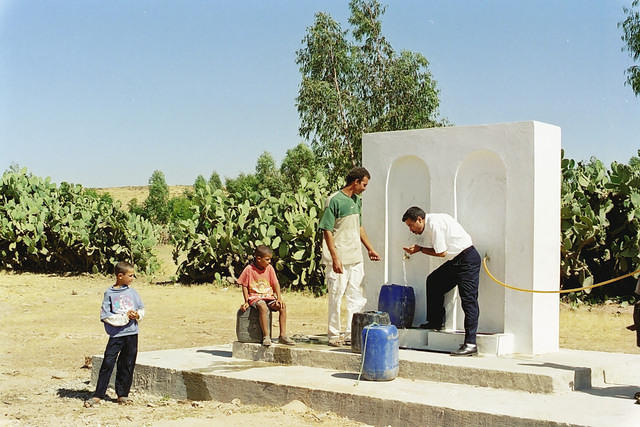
(606, 282)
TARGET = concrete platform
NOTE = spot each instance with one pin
(448, 341)
(213, 373)
(484, 371)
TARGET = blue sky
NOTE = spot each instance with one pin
(102, 93)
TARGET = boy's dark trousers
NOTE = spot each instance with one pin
(636, 321)
(464, 271)
(124, 350)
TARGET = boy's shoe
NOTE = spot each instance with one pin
(347, 340)
(335, 342)
(266, 341)
(286, 340)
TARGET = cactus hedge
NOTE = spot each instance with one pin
(219, 239)
(66, 228)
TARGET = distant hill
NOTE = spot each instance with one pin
(140, 192)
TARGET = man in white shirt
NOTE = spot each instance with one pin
(448, 240)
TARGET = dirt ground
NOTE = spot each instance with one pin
(50, 325)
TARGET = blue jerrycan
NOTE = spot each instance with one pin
(380, 352)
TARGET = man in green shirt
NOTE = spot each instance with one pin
(341, 253)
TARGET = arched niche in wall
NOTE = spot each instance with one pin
(480, 192)
(408, 184)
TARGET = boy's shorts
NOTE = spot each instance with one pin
(270, 303)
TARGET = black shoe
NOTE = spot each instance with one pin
(466, 350)
(432, 326)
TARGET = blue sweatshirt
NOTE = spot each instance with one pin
(118, 301)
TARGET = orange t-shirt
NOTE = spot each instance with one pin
(260, 283)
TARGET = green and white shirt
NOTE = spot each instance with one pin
(342, 215)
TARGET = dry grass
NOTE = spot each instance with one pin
(598, 328)
(50, 324)
(140, 193)
(167, 271)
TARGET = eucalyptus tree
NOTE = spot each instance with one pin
(268, 174)
(214, 181)
(156, 205)
(298, 163)
(355, 82)
(200, 183)
(631, 36)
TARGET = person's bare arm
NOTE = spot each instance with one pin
(276, 291)
(245, 294)
(373, 255)
(337, 263)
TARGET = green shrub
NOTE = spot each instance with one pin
(220, 238)
(600, 222)
(45, 228)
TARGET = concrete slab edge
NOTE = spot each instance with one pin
(347, 361)
(371, 410)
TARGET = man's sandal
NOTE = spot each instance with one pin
(124, 401)
(90, 403)
(335, 342)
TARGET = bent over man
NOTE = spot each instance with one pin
(448, 239)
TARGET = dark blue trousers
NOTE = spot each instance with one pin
(123, 352)
(462, 271)
(636, 321)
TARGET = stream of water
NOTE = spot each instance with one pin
(404, 269)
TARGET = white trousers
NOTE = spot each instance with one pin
(348, 284)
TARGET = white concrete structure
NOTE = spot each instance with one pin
(502, 183)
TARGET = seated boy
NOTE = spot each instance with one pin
(261, 290)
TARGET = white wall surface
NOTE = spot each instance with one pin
(502, 183)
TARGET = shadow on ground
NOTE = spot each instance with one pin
(219, 353)
(74, 394)
(620, 392)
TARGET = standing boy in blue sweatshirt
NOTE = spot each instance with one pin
(122, 309)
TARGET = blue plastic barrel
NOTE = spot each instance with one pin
(400, 302)
(380, 352)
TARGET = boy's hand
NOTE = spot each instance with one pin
(279, 304)
(132, 314)
(244, 306)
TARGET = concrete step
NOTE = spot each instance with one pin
(484, 371)
(498, 344)
(212, 373)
